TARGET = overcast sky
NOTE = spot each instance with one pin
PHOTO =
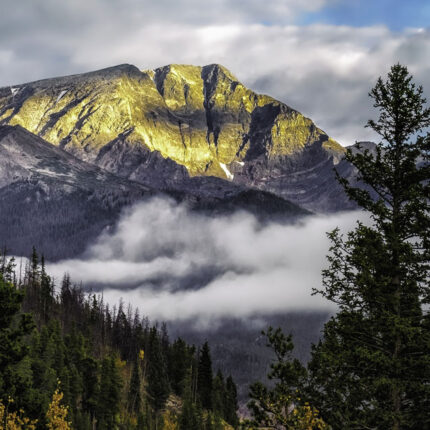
(318, 56)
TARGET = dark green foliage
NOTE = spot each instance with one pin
(158, 383)
(91, 350)
(46, 294)
(230, 403)
(190, 418)
(271, 407)
(108, 404)
(209, 422)
(372, 369)
(224, 400)
(180, 360)
(90, 386)
(204, 377)
(191, 414)
(218, 394)
(134, 396)
(13, 329)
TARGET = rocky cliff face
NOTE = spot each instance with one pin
(163, 125)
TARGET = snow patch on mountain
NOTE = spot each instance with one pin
(61, 95)
(226, 171)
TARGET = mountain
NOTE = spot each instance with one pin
(52, 200)
(160, 127)
(59, 203)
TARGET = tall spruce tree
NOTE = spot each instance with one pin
(218, 394)
(190, 418)
(134, 392)
(204, 377)
(108, 405)
(231, 403)
(372, 368)
(281, 406)
(158, 388)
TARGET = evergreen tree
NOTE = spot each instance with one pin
(217, 423)
(282, 406)
(108, 405)
(209, 421)
(134, 397)
(90, 386)
(231, 404)
(180, 360)
(190, 418)
(219, 394)
(204, 377)
(13, 329)
(158, 384)
(76, 342)
(46, 293)
(372, 368)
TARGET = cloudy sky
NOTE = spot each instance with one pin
(319, 56)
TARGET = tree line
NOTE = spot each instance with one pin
(110, 366)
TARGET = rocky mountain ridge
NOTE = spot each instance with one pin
(162, 126)
(54, 201)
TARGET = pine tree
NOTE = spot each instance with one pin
(134, 397)
(46, 293)
(219, 394)
(209, 421)
(108, 405)
(190, 418)
(282, 406)
(13, 329)
(90, 386)
(372, 368)
(158, 383)
(204, 377)
(231, 404)
(180, 360)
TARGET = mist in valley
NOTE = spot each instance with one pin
(177, 265)
(222, 279)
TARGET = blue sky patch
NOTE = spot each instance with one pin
(395, 14)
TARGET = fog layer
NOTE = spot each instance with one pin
(177, 265)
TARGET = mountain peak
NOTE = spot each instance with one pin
(201, 119)
(219, 70)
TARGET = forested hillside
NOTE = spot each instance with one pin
(68, 360)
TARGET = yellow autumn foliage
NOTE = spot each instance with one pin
(14, 420)
(56, 415)
(307, 418)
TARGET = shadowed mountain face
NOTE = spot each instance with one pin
(54, 201)
(161, 126)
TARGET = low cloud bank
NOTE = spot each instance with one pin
(177, 265)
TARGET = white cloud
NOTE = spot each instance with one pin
(175, 265)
